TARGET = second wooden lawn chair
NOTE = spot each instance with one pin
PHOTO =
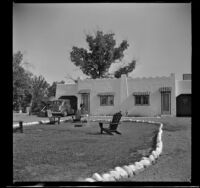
(53, 119)
(112, 125)
(77, 116)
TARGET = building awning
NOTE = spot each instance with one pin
(165, 89)
(84, 91)
(105, 93)
(141, 93)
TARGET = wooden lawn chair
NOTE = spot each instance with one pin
(77, 117)
(112, 125)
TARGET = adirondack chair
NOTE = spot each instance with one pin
(53, 119)
(112, 125)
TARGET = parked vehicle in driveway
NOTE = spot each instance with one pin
(60, 105)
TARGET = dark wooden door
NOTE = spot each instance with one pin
(166, 103)
(183, 105)
(86, 102)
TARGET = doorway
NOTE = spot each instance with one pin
(85, 100)
(166, 103)
(183, 105)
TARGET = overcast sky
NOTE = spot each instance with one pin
(159, 35)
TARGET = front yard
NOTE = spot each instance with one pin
(65, 153)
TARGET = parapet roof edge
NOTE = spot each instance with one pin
(145, 78)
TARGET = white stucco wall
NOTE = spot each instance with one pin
(98, 86)
(183, 87)
(123, 98)
(152, 85)
(66, 90)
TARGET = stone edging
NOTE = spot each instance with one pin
(131, 170)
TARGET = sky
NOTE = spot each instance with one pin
(159, 36)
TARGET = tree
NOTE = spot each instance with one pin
(39, 92)
(125, 70)
(52, 88)
(21, 81)
(96, 61)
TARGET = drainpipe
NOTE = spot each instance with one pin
(126, 86)
(123, 91)
(79, 95)
(173, 94)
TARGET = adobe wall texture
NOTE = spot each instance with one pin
(123, 97)
(183, 87)
(151, 85)
(66, 89)
(99, 86)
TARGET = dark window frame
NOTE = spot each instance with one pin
(140, 100)
(107, 101)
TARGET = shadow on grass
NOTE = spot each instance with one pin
(97, 133)
(93, 133)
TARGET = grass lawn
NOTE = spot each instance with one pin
(174, 165)
(65, 153)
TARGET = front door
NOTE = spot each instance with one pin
(183, 104)
(85, 97)
(165, 103)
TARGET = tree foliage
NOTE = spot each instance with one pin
(96, 61)
(125, 70)
(52, 88)
(28, 89)
(21, 81)
(39, 92)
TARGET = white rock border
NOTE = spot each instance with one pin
(132, 169)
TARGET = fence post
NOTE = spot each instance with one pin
(21, 126)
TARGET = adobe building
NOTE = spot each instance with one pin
(184, 96)
(153, 96)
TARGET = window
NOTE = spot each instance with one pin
(106, 100)
(141, 99)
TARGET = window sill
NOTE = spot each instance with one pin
(142, 104)
(106, 105)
